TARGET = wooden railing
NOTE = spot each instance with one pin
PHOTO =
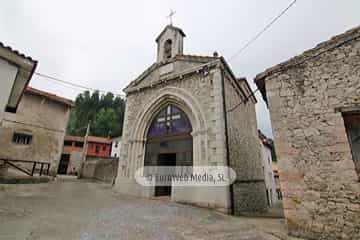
(44, 166)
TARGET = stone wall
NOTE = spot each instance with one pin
(244, 152)
(46, 121)
(100, 168)
(321, 189)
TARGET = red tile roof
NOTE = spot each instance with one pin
(99, 140)
(73, 138)
(90, 139)
(50, 96)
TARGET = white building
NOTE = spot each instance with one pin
(115, 147)
(15, 73)
(266, 152)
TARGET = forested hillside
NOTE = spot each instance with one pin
(105, 113)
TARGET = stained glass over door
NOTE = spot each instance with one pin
(169, 122)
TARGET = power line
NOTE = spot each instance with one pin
(232, 58)
(252, 40)
(74, 84)
(262, 31)
(61, 84)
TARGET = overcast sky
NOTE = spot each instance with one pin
(106, 44)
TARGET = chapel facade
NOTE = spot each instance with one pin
(187, 110)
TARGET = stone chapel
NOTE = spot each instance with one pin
(192, 110)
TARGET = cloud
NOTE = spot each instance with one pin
(106, 44)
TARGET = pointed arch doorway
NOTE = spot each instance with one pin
(169, 142)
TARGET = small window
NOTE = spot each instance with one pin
(79, 144)
(115, 155)
(22, 138)
(167, 49)
(104, 148)
(116, 144)
(67, 143)
(97, 149)
(352, 126)
(279, 194)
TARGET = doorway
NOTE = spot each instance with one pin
(169, 143)
(166, 160)
(64, 163)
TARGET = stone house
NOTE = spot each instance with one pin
(267, 158)
(188, 110)
(36, 131)
(72, 153)
(71, 156)
(314, 104)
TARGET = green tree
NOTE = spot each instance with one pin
(105, 113)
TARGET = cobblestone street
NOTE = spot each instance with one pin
(72, 209)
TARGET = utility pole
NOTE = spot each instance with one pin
(85, 147)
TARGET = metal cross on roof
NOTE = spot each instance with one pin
(170, 16)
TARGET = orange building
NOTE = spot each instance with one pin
(72, 152)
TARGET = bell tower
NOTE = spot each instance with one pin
(169, 43)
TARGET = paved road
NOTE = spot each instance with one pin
(72, 209)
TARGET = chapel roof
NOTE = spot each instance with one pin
(204, 60)
(183, 57)
(170, 27)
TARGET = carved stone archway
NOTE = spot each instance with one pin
(184, 101)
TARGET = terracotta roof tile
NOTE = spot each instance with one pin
(50, 96)
(73, 138)
(92, 139)
(99, 140)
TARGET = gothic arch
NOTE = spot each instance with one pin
(184, 101)
(169, 95)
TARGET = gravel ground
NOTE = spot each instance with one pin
(74, 209)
